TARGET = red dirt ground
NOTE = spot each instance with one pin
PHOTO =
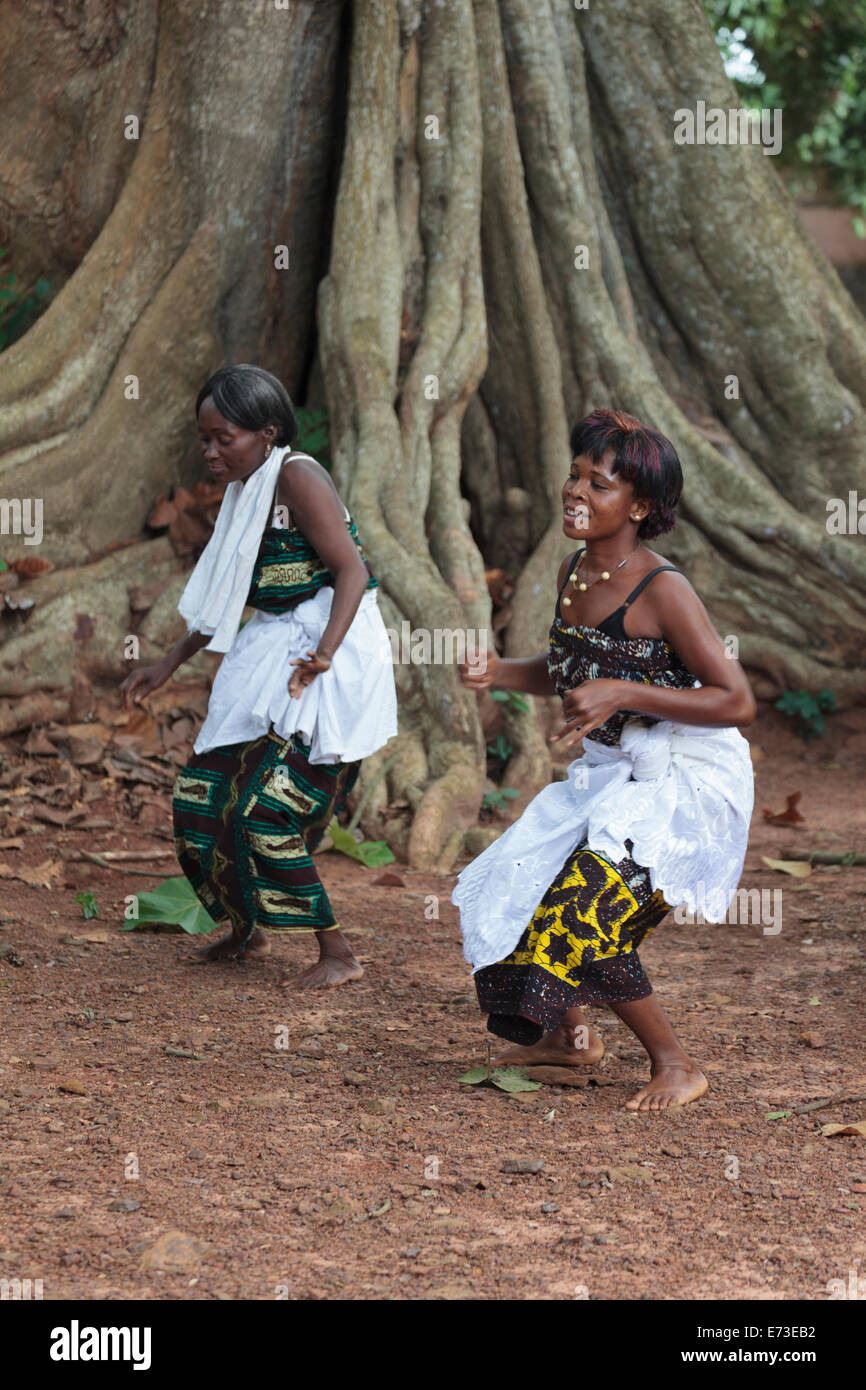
(351, 1163)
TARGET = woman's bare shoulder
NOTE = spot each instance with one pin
(304, 480)
(297, 464)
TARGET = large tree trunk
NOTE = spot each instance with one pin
(235, 133)
(432, 168)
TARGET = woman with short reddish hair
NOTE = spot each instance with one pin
(656, 811)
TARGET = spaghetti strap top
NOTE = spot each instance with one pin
(612, 625)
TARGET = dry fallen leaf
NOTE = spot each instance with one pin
(183, 499)
(189, 531)
(831, 1131)
(42, 876)
(141, 728)
(164, 512)
(797, 868)
(30, 565)
(92, 730)
(52, 815)
(40, 744)
(85, 752)
(790, 815)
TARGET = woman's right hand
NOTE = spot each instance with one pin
(478, 676)
(143, 682)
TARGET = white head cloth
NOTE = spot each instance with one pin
(214, 598)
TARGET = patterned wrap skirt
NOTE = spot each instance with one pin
(579, 948)
(247, 817)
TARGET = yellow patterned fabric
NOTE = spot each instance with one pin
(580, 947)
(589, 917)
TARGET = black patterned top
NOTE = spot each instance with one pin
(288, 569)
(579, 653)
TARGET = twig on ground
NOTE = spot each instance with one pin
(822, 1104)
(107, 864)
(823, 856)
(123, 854)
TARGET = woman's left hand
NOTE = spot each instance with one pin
(309, 667)
(590, 704)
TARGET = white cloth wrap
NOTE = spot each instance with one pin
(216, 592)
(346, 713)
(682, 794)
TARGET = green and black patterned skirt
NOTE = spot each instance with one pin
(247, 818)
(579, 948)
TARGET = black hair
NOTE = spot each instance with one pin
(642, 456)
(251, 398)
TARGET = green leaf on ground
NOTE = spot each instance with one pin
(778, 1115)
(474, 1077)
(89, 905)
(513, 1079)
(172, 903)
(506, 1078)
(372, 853)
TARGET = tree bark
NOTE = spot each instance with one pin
(405, 269)
(190, 228)
(431, 168)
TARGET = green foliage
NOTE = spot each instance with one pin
(500, 748)
(313, 435)
(172, 903)
(506, 1078)
(809, 709)
(372, 853)
(511, 700)
(499, 799)
(809, 59)
(89, 905)
(18, 308)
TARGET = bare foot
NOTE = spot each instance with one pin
(570, 1045)
(228, 947)
(327, 973)
(673, 1083)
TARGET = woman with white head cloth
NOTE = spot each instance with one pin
(305, 689)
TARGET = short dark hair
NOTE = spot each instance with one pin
(251, 398)
(642, 456)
